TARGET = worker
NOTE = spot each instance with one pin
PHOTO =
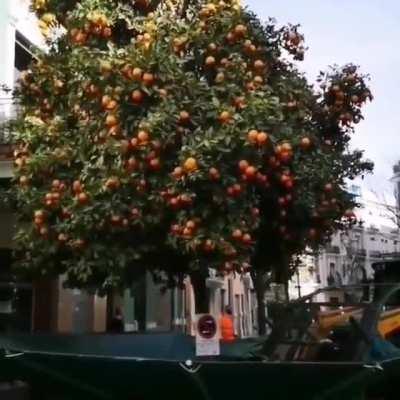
(226, 325)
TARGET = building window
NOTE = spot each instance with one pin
(372, 239)
(23, 59)
(395, 242)
(23, 53)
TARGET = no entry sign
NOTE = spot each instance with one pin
(207, 336)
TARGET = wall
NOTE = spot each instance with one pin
(14, 15)
(233, 290)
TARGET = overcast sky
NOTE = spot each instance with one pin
(367, 33)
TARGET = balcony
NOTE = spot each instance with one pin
(332, 249)
(375, 254)
(361, 253)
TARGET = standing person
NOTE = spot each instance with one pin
(226, 325)
(117, 322)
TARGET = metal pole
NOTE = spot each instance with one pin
(298, 281)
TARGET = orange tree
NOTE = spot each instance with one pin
(176, 136)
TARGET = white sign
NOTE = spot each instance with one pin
(207, 336)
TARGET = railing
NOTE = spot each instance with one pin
(332, 249)
(361, 253)
(375, 254)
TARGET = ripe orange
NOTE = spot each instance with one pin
(191, 224)
(230, 38)
(143, 136)
(305, 143)
(240, 30)
(252, 136)
(148, 79)
(259, 64)
(258, 80)
(155, 164)
(115, 219)
(136, 74)
(112, 105)
(176, 229)
(137, 96)
(184, 117)
(178, 172)
(105, 101)
(237, 234)
(111, 120)
(112, 183)
(131, 164)
(237, 189)
(107, 32)
(239, 102)
(262, 138)
(44, 231)
(210, 61)
(225, 117)
(209, 246)
(286, 146)
(77, 186)
(243, 164)
(39, 214)
(214, 174)
(135, 213)
(212, 47)
(250, 172)
(190, 164)
(246, 239)
(83, 198)
(62, 237)
(187, 232)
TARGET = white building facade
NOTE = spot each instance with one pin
(349, 256)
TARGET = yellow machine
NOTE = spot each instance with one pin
(389, 322)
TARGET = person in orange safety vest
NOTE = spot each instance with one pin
(226, 326)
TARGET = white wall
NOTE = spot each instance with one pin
(14, 16)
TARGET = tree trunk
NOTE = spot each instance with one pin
(282, 276)
(259, 285)
(201, 297)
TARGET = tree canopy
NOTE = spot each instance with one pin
(176, 136)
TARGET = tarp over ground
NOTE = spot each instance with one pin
(160, 346)
(147, 367)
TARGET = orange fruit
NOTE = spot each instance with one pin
(243, 164)
(225, 117)
(137, 96)
(148, 79)
(262, 138)
(143, 136)
(252, 136)
(210, 61)
(240, 30)
(136, 74)
(190, 164)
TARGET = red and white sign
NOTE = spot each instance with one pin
(207, 335)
